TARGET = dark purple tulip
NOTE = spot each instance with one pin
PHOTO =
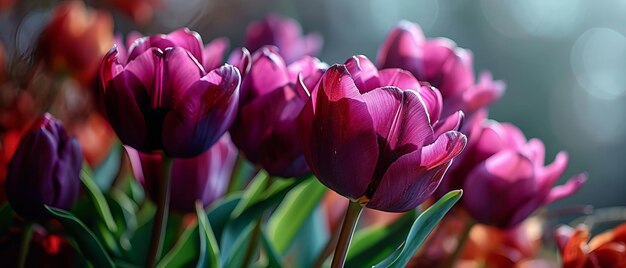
(505, 177)
(204, 177)
(441, 63)
(161, 98)
(265, 128)
(44, 170)
(369, 136)
(284, 33)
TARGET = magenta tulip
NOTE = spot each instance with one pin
(505, 178)
(442, 64)
(159, 96)
(44, 170)
(284, 33)
(369, 136)
(204, 177)
(265, 127)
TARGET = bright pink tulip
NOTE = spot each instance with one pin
(441, 63)
(265, 128)
(506, 180)
(159, 96)
(284, 33)
(369, 136)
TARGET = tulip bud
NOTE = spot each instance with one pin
(157, 96)
(204, 177)
(284, 33)
(506, 180)
(443, 65)
(371, 135)
(44, 170)
(265, 128)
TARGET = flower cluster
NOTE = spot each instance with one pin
(242, 147)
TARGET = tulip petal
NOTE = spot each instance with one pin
(184, 38)
(338, 135)
(446, 147)
(69, 162)
(484, 93)
(268, 72)
(310, 68)
(567, 189)
(181, 70)
(402, 48)
(452, 122)
(398, 78)
(213, 53)
(553, 172)
(433, 101)
(363, 72)
(203, 115)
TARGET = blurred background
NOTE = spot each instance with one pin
(564, 61)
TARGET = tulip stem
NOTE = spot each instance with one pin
(328, 249)
(347, 229)
(256, 232)
(25, 246)
(160, 219)
(461, 243)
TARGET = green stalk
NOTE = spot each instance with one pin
(25, 246)
(160, 219)
(347, 229)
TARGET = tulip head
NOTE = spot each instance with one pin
(159, 96)
(369, 136)
(273, 95)
(441, 63)
(204, 177)
(506, 180)
(284, 33)
(607, 249)
(44, 170)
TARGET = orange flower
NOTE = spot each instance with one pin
(75, 40)
(607, 249)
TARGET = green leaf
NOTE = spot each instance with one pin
(209, 251)
(6, 218)
(140, 239)
(104, 175)
(85, 239)
(253, 193)
(98, 201)
(185, 251)
(423, 225)
(219, 213)
(293, 211)
(273, 259)
(235, 257)
(371, 245)
(268, 199)
(309, 242)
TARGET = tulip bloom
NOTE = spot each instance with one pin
(265, 128)
(284, 33)
(204, 177)
(75, 40)
(44, 170)
(506, 179)
(159, 96)
(442, 64)
(369, 136)
(607, 249)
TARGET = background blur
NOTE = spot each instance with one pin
(564, 61)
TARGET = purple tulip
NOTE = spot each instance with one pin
(204, 177)
(505, 177)
(44, 170)
(284, 33)
(265, 127)
(159, 96)
(369, 135)
(442, 64)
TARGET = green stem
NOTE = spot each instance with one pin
(25, 246)
(160, 219)
(461, 243)
(256, 232)
(347, 229)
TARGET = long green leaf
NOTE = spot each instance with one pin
(209, 251)
(371, 245)
(104, 174)
(423, 225)
(6, 218)
(98, 200)
(185, 251)
(273, 259)
(293, 211)
(86, 240)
